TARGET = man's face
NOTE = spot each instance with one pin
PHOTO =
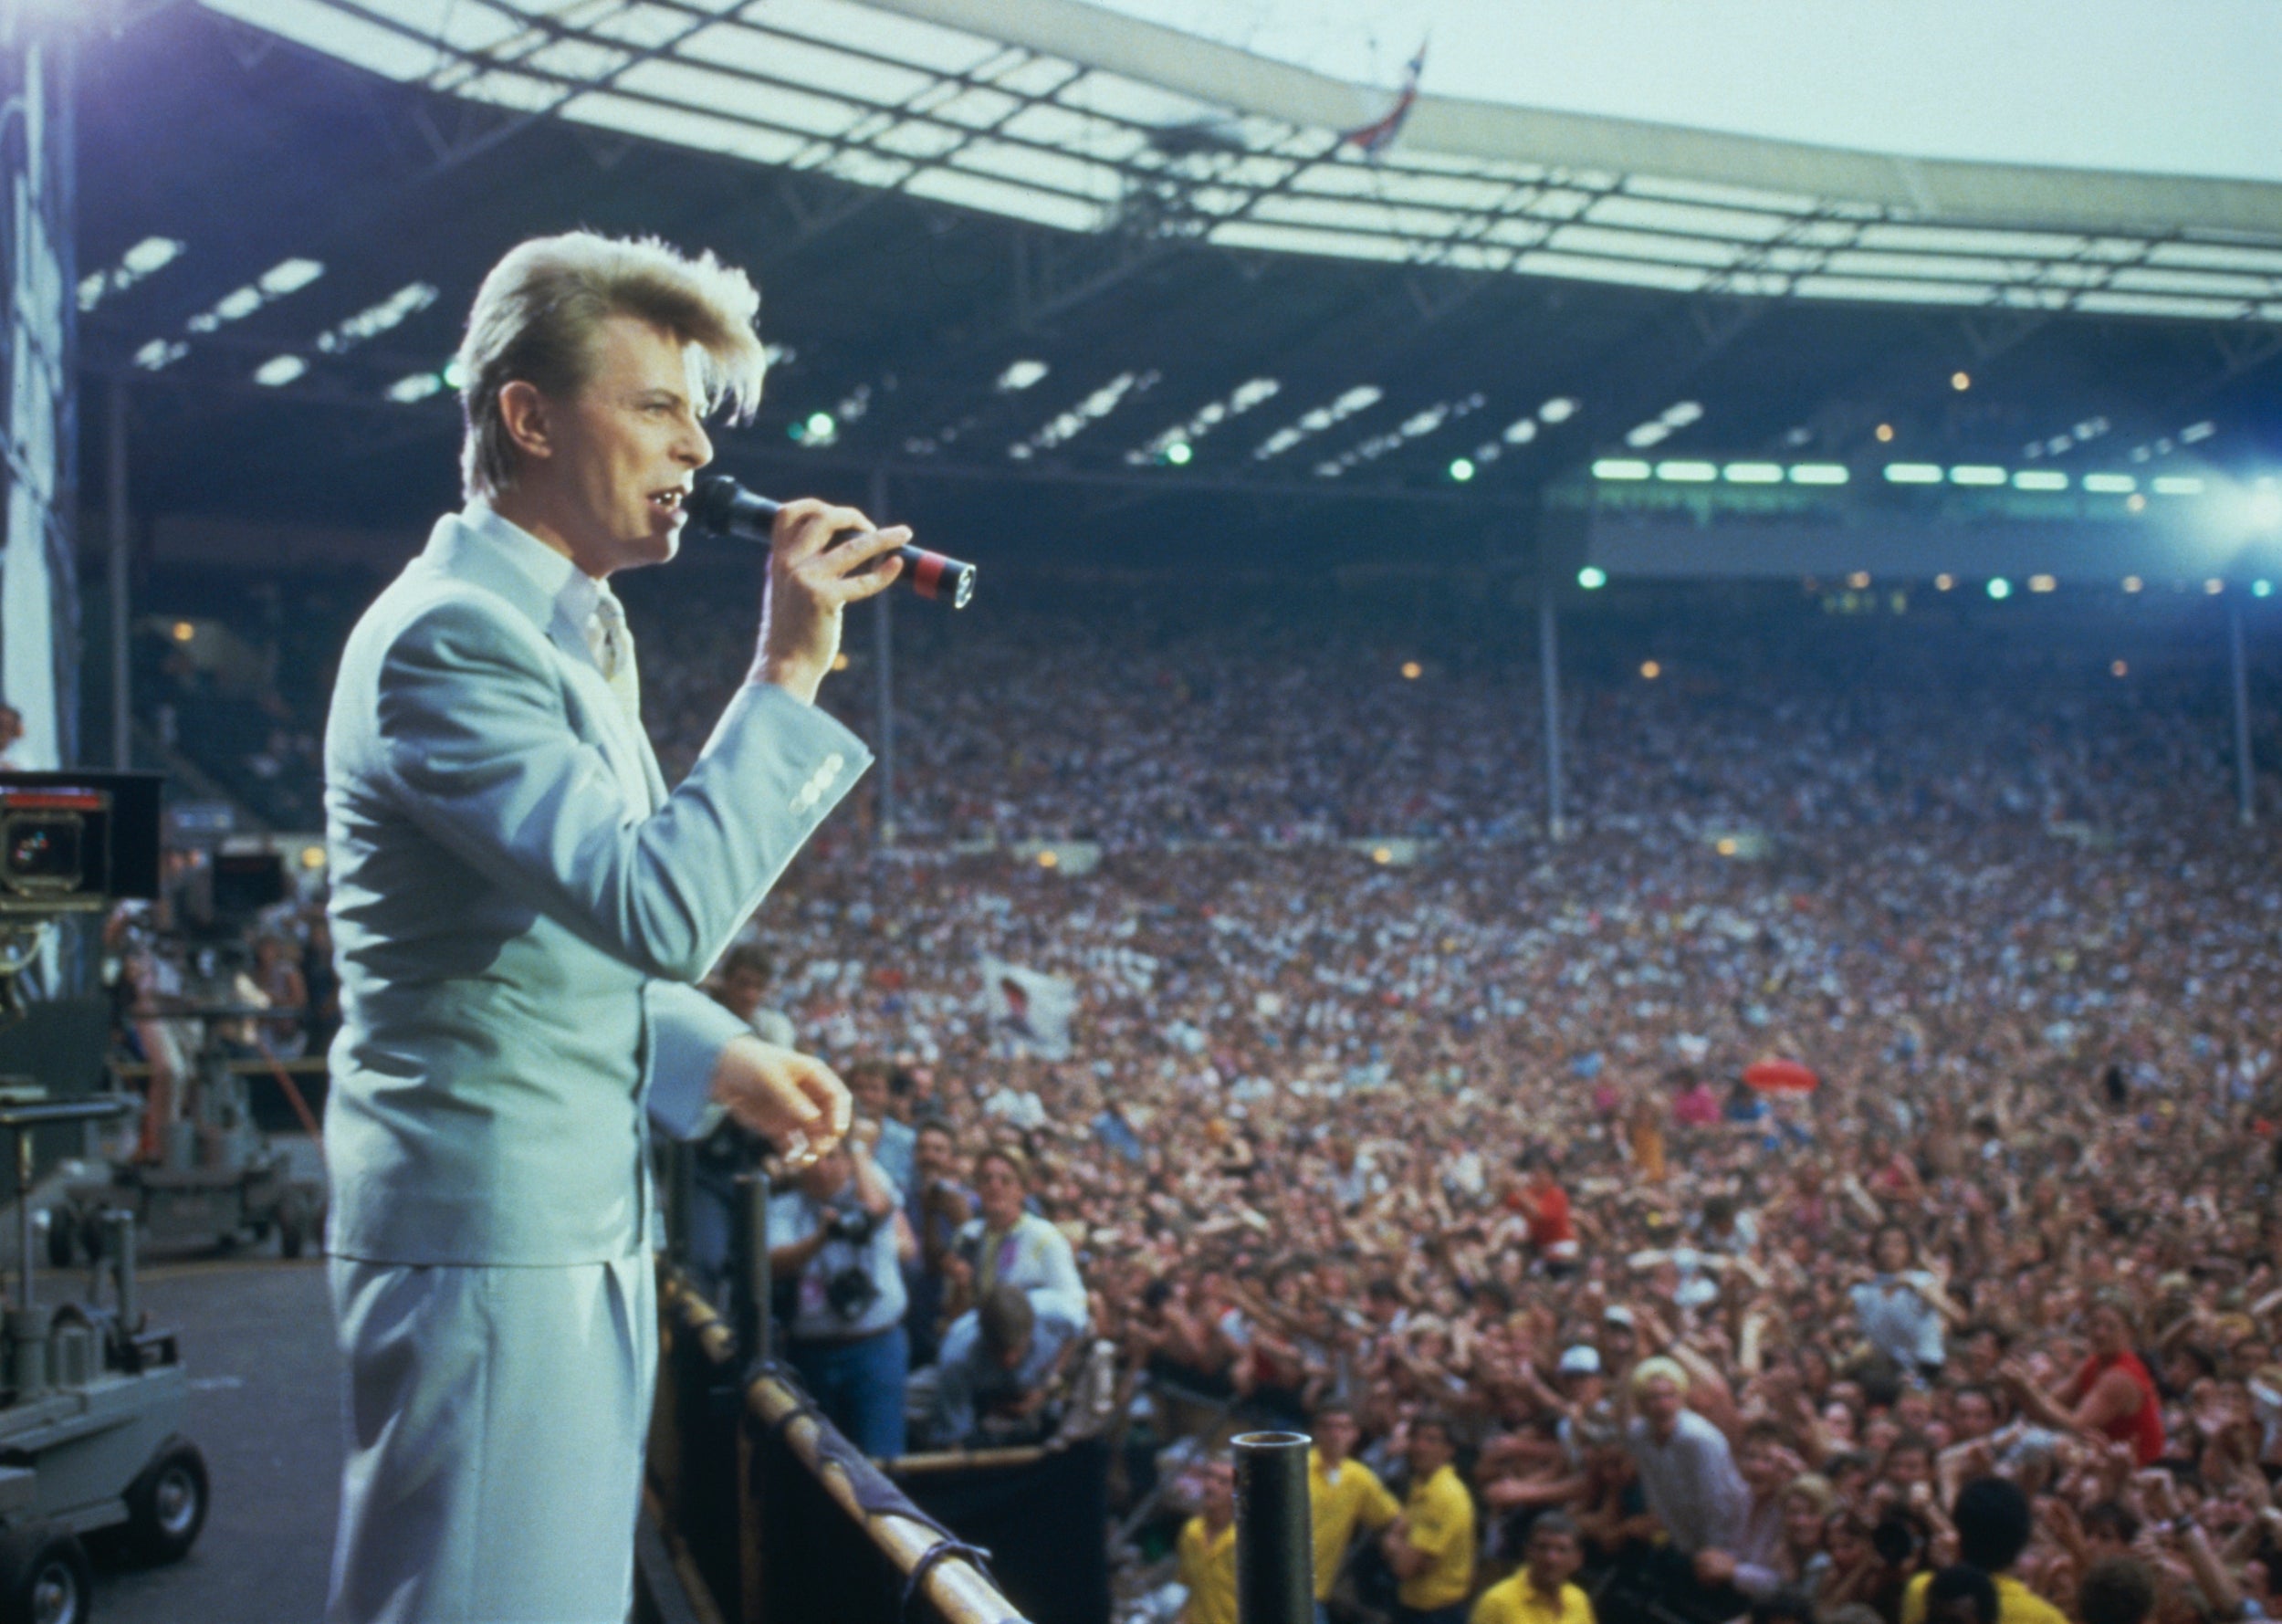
(1661, 1403)
(1220, 1492)
(933, 1154)
(999, 1192)
(741, 989)
(1553, 1559)
(827, 1176)
(870, 1089)
(1335, 1435)
(629, 437)
(1429, 1449)
(1975, 1416)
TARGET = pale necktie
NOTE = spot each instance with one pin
(612, 646)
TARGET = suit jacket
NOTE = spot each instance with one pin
(519, 908)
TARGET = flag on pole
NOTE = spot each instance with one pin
(1374, 138)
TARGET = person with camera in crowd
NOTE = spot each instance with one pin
(839, 1239)
(1002, 1390)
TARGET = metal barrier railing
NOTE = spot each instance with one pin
(769, 1515)
(744, 1470)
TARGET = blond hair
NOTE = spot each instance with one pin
(536, 315)
(1659, 1369)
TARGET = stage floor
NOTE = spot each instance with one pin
(265, 1406)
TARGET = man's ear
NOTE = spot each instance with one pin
(523, 413)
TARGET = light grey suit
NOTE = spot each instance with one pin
(518, 908)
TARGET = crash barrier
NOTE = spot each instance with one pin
(766, 1514)
(1042, 1513)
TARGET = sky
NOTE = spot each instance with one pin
(2167, 86)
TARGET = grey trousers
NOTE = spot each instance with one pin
(496, 1418)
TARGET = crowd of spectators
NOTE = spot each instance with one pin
(1452, 1159)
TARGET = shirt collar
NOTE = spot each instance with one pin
(575, 594)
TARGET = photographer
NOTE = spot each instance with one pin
(845, 1244)
(1002, 1390)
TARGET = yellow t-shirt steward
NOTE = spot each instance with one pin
(1440, 1517)
(1357, 1499)
(1517, 1601)
(2016, 1603)
(1207, 1567)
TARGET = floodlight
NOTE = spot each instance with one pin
(288, 275)
(1913, 474)
(2110, 485)
(1178, 452)
(1976, 474)
(1591, 579)
(2264, 507)
(2262, 588)
(279, 370)
(1687, 472)
(1818, 473)
(1461, 469)
(2040, 480)
(1559, 409)
(1752, 473)
(1521, 433)
(150, 254)
(2000, 589)
(1020, 375)
(1620, 467)
(2177, 485)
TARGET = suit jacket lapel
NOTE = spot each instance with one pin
(461, 551)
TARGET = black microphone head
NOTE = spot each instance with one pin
(712, 502)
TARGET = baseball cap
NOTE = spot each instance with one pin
(1581, 1360)
(1616, 1314)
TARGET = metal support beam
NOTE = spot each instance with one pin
(2246, 783)
(884, 655)
(1549, 679)
(115, 515)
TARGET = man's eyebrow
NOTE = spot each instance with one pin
(671, 397)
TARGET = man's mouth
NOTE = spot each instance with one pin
(669, 500)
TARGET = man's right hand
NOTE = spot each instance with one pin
(792, 1100)
(809, 583)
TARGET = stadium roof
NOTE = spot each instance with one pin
(1070, 115)
(278, 248)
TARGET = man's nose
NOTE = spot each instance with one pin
(697, 447)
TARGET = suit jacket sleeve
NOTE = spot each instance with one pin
(687, 1032)
(475, 731)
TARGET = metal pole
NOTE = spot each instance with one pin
(756, 1286)
(115, 503)
(1275, 1539)
(883, 641)
(1549, 674)
(2245, 803)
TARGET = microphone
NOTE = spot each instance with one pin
(722, 505)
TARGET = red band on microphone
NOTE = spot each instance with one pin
(928, 574)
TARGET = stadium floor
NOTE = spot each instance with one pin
(265, 1407)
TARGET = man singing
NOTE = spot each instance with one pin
(522, 909)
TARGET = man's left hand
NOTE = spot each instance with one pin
(794, 1101)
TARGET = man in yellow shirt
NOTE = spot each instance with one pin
(1431, 1546)
(1343, 1494)
(1541, 1592)
(1993, 1524)
(1208, 1551)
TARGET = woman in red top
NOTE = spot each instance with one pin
(2111, 1396)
